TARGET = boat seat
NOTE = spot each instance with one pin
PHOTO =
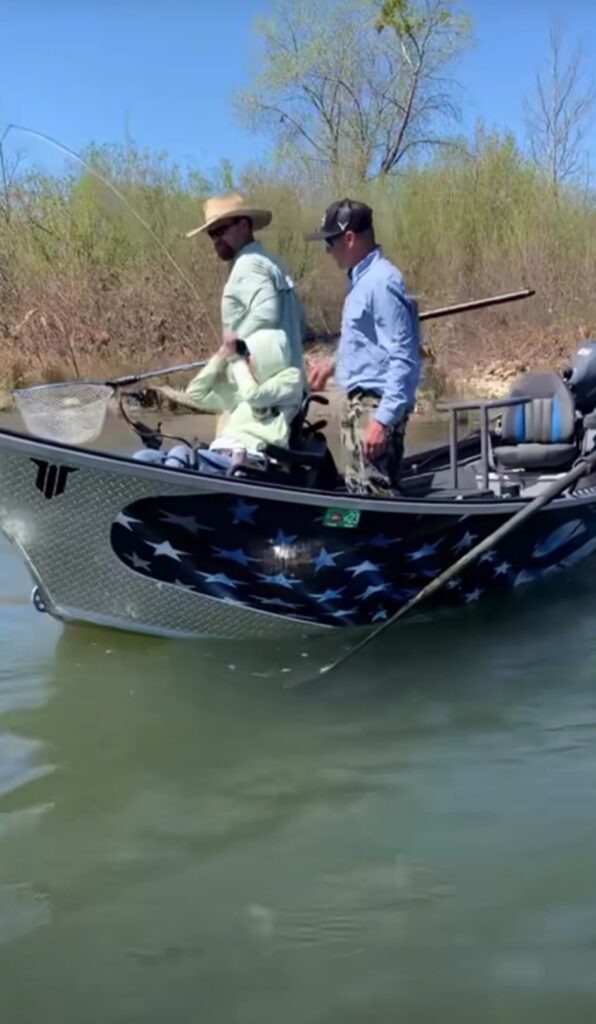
(540, 434)
(307, 462)
(308, 459)
(300, 426)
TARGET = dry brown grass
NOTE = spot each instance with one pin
(102, 326)
(81, 299)
(56, 329)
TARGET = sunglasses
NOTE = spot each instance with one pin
(330, 242)
(221, 229)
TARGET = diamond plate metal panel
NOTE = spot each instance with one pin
(65, 542)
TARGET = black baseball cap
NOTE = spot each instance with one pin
(343, 215)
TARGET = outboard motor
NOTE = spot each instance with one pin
(580, 377)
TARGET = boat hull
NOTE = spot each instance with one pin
(147, 549)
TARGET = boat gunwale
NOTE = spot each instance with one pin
(126, 465)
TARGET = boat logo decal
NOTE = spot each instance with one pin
(51, 479)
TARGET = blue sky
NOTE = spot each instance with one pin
(165, 70)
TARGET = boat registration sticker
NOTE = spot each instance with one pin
(346, 517)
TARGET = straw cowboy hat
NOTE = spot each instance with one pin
(224, 207)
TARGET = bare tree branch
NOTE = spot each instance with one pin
(355, 81)
(558, 119)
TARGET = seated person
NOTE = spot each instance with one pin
(256, 384)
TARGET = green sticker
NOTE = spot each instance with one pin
(348, 518)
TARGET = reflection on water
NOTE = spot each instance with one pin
(216, 832)
(117, 436)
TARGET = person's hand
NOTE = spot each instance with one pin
(150, 397)
(227, 349)
(319, 373)
(374, 441)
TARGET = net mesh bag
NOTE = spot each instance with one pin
(71, 413)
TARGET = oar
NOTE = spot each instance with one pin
(583, 466)
(465, 307)
(434, 314)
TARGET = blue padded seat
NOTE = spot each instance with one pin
(541, 434)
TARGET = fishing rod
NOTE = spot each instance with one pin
(115, 191)
(435, 314)
(430, 314)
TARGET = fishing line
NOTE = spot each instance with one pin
(109, 185)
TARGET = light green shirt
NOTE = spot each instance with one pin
(262, 399)
(259, 304)
(259, 293)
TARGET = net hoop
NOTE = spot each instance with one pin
(72, 412)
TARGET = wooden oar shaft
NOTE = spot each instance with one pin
(434, 314)
(557, 487)
(463, 307)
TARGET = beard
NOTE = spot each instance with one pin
(224, 251)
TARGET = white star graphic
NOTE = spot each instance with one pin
(184, 522)
(244, 512)
(344, 612)
(165, 550)
(328, 595)
(380, 541)
(465, 542)
(473, 595)
(424, 552)
(502, 569)
(138, 563)
(220, 577)
(237, 555)
(356, 570)
(125, 521)
(280, 579)
(372, 590)
(324, 560)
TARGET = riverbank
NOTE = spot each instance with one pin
(492, 381)
(469, 356)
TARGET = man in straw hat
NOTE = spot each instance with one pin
(378, 361)
(257, 374)
(259, 292)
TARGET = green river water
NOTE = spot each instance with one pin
(209, 832)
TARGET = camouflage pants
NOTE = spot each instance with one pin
(381, 477)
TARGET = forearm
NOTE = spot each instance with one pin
(399, 336)
(201, 394)
(400, 387)
(280, 388)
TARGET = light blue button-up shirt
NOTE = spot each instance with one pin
(380, 338)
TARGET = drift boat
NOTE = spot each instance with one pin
(284, 548)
